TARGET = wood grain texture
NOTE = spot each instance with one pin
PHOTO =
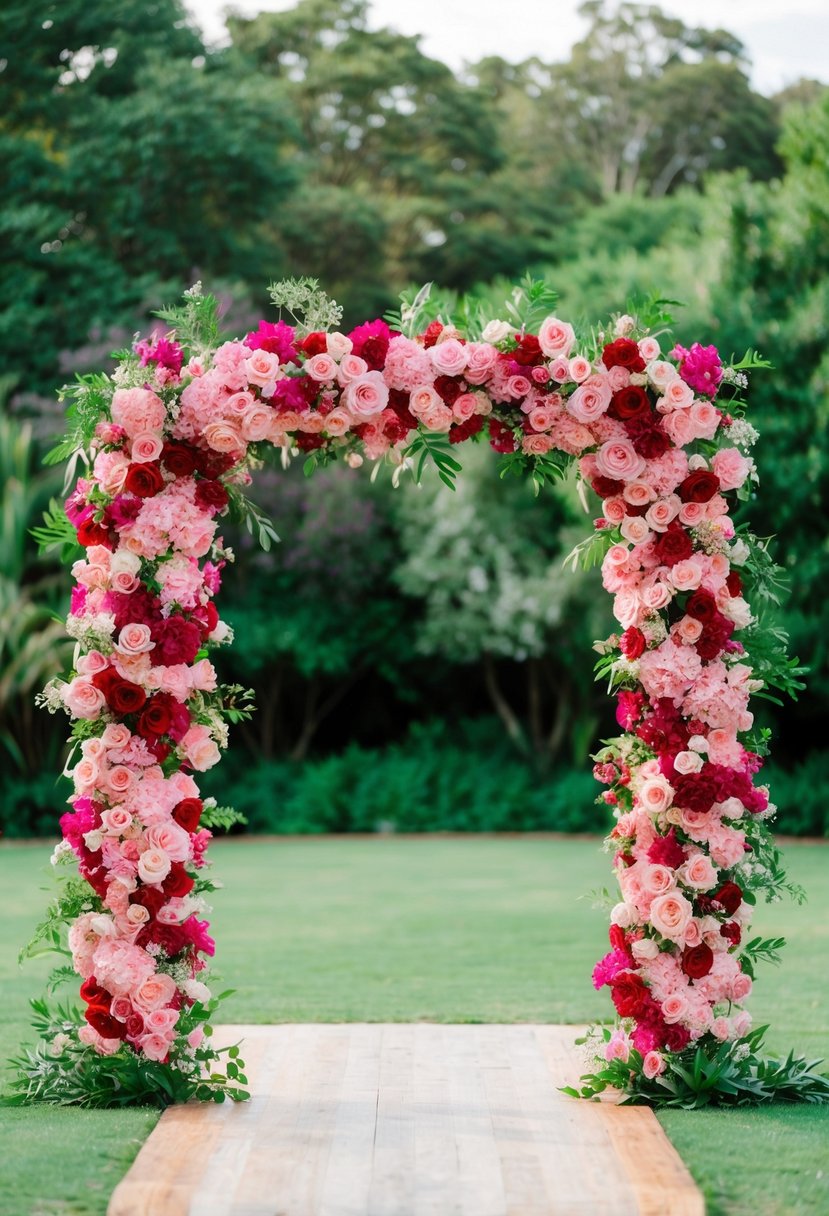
(407, 1120)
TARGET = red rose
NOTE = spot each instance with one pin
(314, 344)
(697, 961)
(630, 402)
(448, 389)
(699, 486)
(124, 697)
(178, 882)
(156, 717)
(617, 937)
(667, 851)
(676, 1037)
(134, 1025)
(211, 495)
(90, 533)
(628, 992)
(101, 1019)
(145, 480)
(463, 430)
(729, 897)
(214, 464)
(92, 992)
(632, 643)
(623, 353)
(176, 641)
(673, 545)
(187, 813)
(702, 607)
(178, 458)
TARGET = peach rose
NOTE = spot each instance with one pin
(657, 879)
(255, 423)
(199, 749)
(480, 360)
(223, 437)
(635, 529)
(655, 795)
(686, 575)
(119, 782)
(467, 404)
(337, 422)
(170, 839)
(153, 866)
(674, 1008)
(116, 735)
(677, 394)
(662, 512)
(638, 493)
(589, 401)
(155, 993)
(669, 915)
(705, 419)
(698, 872)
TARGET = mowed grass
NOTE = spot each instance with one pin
(457, 929)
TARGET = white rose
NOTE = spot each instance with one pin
(338, 345)
(496, 331)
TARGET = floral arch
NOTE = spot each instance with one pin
(169, 441)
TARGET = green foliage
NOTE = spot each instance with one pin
(724, 1074)
(243, 511)
(196, 321)
(62, 1071)
(308, 306)
(56, 532)
(427, 446)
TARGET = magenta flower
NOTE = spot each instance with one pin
(609, 967)
(277, 338)
(700, 367)
(163, 352)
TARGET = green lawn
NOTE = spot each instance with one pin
(444, 929)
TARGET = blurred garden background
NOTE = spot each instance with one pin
(421, 660)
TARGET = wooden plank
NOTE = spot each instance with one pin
(407, 1120)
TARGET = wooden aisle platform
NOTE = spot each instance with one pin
(407, 1120)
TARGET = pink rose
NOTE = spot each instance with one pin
(119, 782)
(255, 423)
(155, 1046)
(705, 419)
(686, 575)
(655, 795)
(161, 1021)
(351, 368)
(638, 493)
(679, 428)
(467, 404)
(669, 915)
(83, 699)
(222, 437)
(653, 1065)
(366, 396)
(480, 361)
(199, 749)
(556, 338)
(337, 422)
(617, 1047)
(634, 528)
(589, 401)
(674, 1008)
(321, 367)
(677, 395)
(619, 460)
(449, 357)
(170, 839)
(657, 879)
(740, 987)
(85, 774)
(116, 735)
(662, 512)
(649, 349)
(145, 447)
(579, 368)
(698, 872)
(135, 639)
(437, 417)
(110, 470)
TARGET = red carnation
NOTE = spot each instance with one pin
(606, 487)
(695, 792)
(729, 897)
(623, 353)
(501, 438)
(187, 813)
(628, 993)
(667, 851)
(176, 641)
(151, 898)
(697, 961)
(433, 331)
(647, 437)
(528, 351)
(630, 402)
(632, 643)
(145, 480)
(178, 458)
(699, 486)
(465, 430)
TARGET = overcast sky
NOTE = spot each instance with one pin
(785, 40)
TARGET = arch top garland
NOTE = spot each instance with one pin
(169, 441)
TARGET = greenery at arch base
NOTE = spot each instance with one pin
(166, 447)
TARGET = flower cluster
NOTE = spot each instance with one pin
(172, 443)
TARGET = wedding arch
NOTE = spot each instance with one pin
(168, 442)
